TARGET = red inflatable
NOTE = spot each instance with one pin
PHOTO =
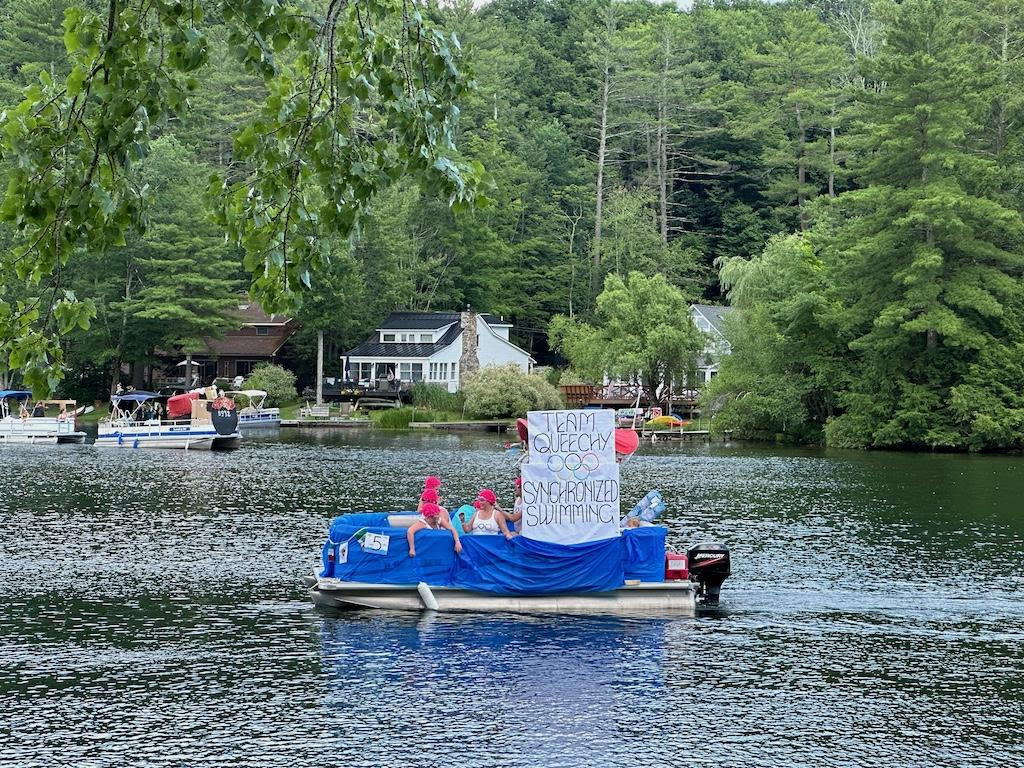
(626, 441)
(181, 405)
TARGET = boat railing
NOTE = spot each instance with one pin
(128, 421)
(34, 423)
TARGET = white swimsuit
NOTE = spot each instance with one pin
(490, 525)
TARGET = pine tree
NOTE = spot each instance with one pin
(926, 259)
(795, 85)
(31, 41)
(188, 276)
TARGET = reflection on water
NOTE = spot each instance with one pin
(151, 614)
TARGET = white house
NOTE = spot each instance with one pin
(711, 320)
(433, 347)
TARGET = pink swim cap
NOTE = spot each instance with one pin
(487, 495)
(519, 482)
(430, 510)
(432, 482)
(429, 495)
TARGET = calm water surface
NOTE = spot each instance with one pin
(151, 614)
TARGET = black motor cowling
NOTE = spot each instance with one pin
(224, 415)
(709, 567)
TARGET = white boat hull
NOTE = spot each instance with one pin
(38, 430)
(641, 598)
(269, 418)
(166, 436)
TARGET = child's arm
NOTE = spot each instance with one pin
(447, 523)
(411, 536)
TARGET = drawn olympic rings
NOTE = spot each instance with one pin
(573, 465)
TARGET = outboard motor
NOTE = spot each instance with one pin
(709, 567)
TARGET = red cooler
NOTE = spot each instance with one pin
(676, 567)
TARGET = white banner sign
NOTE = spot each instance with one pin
(570, 506)
(586, 438)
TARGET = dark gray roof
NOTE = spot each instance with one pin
(416, 321)
(374, 347)
(715, 315)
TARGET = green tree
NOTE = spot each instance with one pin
(928, 260)
(188, 284)
(359, 95)
(503, 391)
(794, 88)
(642, 332)
(785, 366)
(278, 383)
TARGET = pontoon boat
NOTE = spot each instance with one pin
(196, 421)
(255, 414)
(19, 425)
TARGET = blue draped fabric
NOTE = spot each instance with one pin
(526, 567)
(490, 563)
(644, 552)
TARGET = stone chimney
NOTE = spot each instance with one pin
(469, 362)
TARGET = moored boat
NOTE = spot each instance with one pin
(211, 423)
(35, 425)
(255, 413)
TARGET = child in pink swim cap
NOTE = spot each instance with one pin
(431, 496)
(434, 518)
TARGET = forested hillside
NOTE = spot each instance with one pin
(847, 172)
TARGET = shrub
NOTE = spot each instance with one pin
(569, 377)
(436, 398)
(392, 418)
(278, 383)
(497, 392)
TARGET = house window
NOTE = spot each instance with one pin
(244, 367)
(454, 371)
(262, 330)
(410, 371)
(433, 372)
(361, 371)
(439, 372)
(388, 337)
(426, 338)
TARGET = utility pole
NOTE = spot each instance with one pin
(319, 367)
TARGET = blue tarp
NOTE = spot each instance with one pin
(490, 563)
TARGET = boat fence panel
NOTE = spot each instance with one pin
(490, 563)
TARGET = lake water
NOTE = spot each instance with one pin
(151, 613)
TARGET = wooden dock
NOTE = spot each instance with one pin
(683, 435)
(326, 423)
(500, 425)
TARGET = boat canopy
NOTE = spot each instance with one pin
(250, 393)
(17, 394)
(134, 397)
